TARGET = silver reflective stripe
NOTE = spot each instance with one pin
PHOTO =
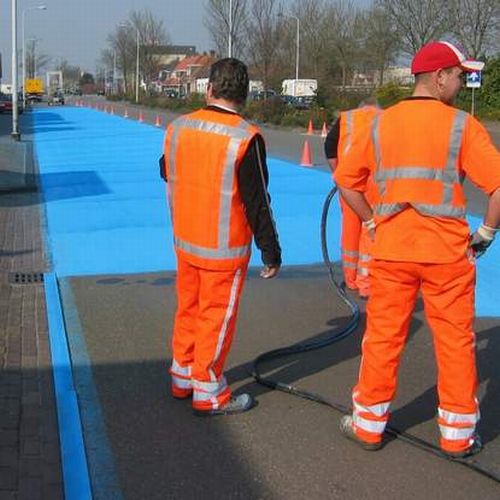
(455, 434)
(451, 171)
(349, 126)
(238, 132)
(365, 257)
(212, 253)
(449, 176)
(205, 391)
(432, 174)
(379, 409)
(182, 383)
(229, 314)
(368, 425)
(346, 263)
(458, 418)
(184, 371)
(350, 253)
(226, 191)
(237, 135)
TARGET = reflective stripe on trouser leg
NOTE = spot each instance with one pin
(370, 421)
(181, 379)
(349, 242)
(363, 271)
(448, 295)
(393, 292)
(183, 339)
(218, 307)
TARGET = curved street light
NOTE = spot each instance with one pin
(36, 7)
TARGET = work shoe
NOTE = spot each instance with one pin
(473, 449)
(347, 429)
(237, 404)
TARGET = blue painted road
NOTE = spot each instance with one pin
(107, 212)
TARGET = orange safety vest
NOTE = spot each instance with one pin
(351, 121)
(203, 151)
(416, 170)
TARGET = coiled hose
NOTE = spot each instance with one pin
(337, 335)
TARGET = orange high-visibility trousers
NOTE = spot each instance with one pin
(349, 243)
(205, 320)
(448, 295)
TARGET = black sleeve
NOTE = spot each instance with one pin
(332, 141)
(163, 173)
(252, 181)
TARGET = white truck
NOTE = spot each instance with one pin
(299, 88)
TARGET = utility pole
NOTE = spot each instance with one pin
(230, 37)
(15, 112)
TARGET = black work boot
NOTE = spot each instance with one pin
(347, 430)
(237, 404)
(473, 449)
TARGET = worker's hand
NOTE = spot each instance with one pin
(482, 239)
(369, 226)
(269, 272)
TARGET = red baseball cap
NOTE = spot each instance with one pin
(440, 55)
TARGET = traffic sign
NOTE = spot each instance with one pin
(474, 80)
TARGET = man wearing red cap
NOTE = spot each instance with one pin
(419, 152)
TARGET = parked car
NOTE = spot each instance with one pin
(304, 102)
(56, 98)
(261, 95)
(6, 103)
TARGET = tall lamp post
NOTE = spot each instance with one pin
(23, 22)
(297, 45)
(137, 70)
(230, 37)
(15, 112)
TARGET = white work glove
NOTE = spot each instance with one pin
(482, 239)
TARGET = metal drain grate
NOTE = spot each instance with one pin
(25, 278)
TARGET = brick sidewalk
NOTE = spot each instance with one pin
(30, 465)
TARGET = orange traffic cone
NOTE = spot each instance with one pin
(310, 128)
(306, 155)
(126, 113)
(141, 117)
(158, 121)
(324, 133)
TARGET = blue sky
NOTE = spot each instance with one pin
(76, 30)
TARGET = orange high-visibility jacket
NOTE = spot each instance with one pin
(424, 173)
(203, 151)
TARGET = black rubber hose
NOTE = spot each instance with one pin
(337, 335)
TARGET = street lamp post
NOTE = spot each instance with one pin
(230, 37)
(137, 70)
(36, 7)
(15, 112)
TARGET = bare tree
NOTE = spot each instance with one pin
(343, 21)
(264, 34)
(217, 23)
(417, 22)
(152, 34)
(476, 24)
(381, 40)
(36, 61)
(122, 43)
(71, 74)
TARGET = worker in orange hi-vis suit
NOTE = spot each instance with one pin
(418, 152)
(215, 165)
(354, 241)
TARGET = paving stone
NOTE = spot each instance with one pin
(30, 445)
(8, 478)
(30, 488)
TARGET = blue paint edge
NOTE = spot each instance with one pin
(74, 461)
(100, 459)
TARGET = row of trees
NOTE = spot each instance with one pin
(338, 38)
